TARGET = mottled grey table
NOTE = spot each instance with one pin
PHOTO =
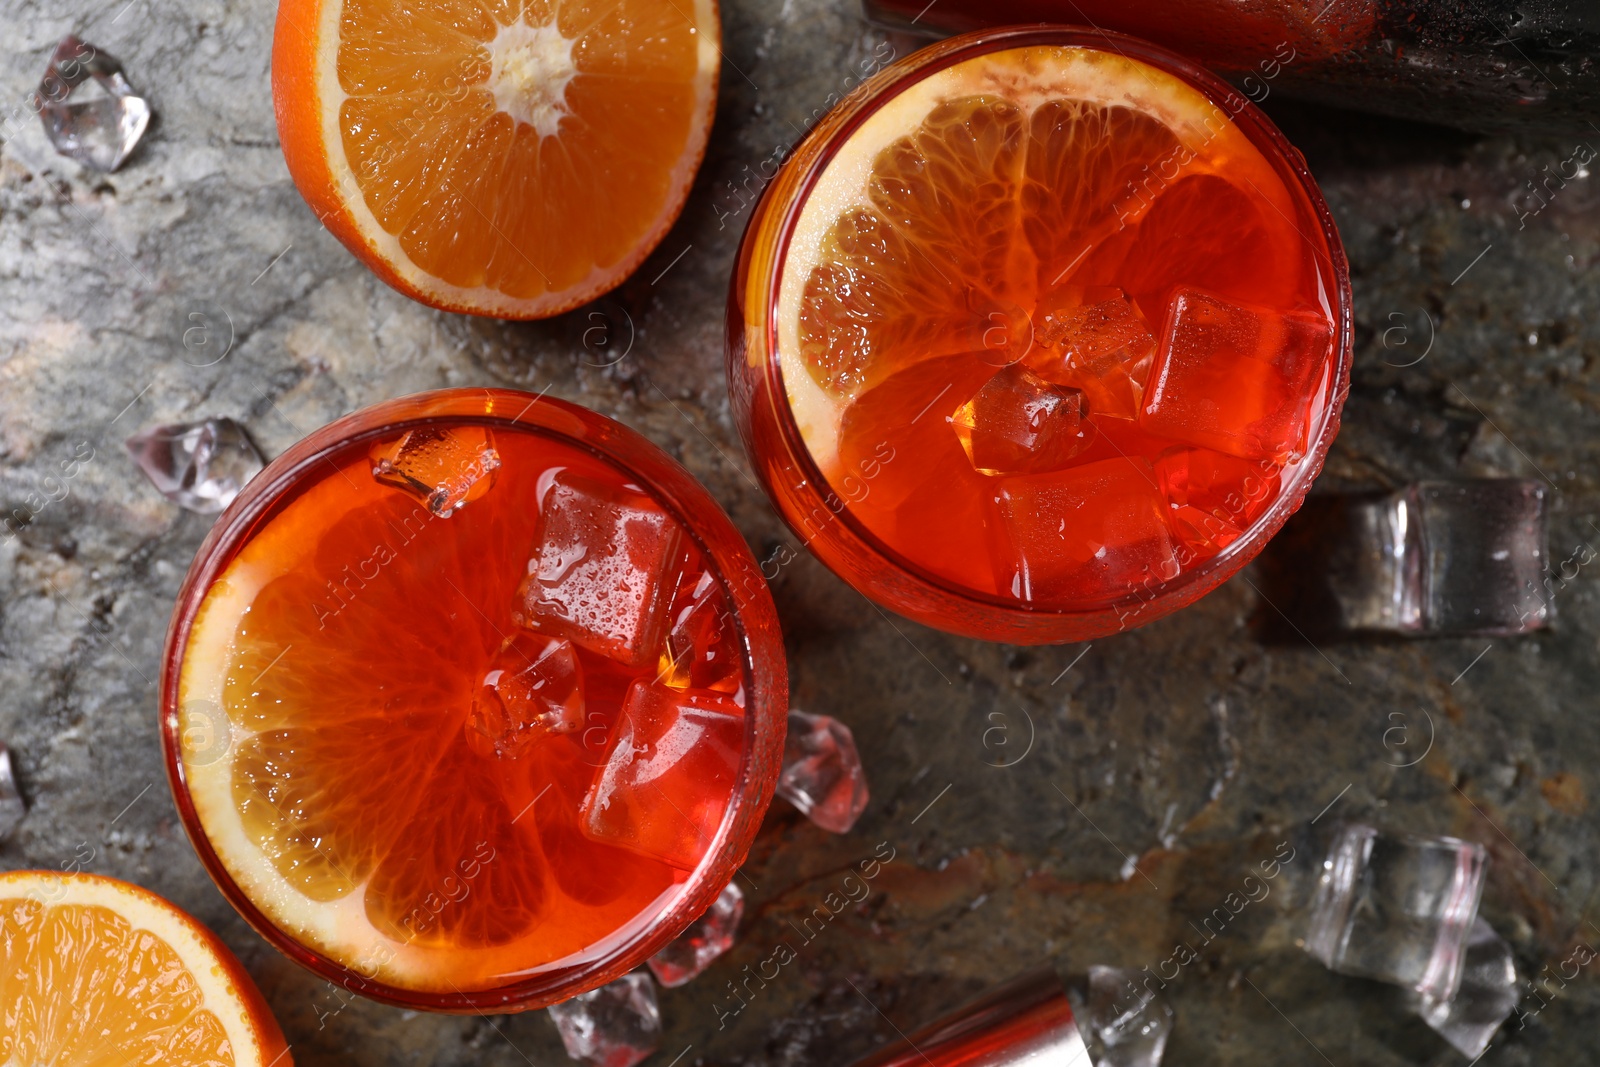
(1195, 745)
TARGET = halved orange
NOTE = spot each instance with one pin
(512, 158)
(94, 971)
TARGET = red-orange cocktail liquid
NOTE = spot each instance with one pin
(1060, 324)
(469, 706)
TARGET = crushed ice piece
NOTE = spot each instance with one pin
(617, 1025)
(668, 775)
(12, 806)
(90, 112)
(1128, 1022)
(604, 571)
(1454, 557)
(1092, 532)
(200, 466)
(534, 689)
(1235, 378)
(1397, 908)
(703, 644)
(446, 467)
(707, 938)
(1095, 340)
(1019, 423)
(822, 774)
(1487, 997)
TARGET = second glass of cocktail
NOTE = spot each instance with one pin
(473, 700)
(1039, 335)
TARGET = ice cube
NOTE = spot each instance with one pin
(1092, 532)
(445, 467)
(1486, 555)
(668, 774)
(703, 643)
(90, 112)
(1127, 1021)
(12, 806)
(1397, 908)
(822, 773)
(200, 466)
(617, 1025)
(707, 938)
(1487, 996)
(1019, 423)
(534, 689)
(1234, 378)
(1213, 497)
(1441, 558)
(604, 571)
(1095, 340)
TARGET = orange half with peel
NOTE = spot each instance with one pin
(96, 971)
(513, 158)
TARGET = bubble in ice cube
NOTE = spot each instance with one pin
(1234, 378)
(604, 571)
(200, 466)
(669, 772)
(534, 689)
(90, 112)
(1128, 1023)
(707, 938)
(1094, 339)
(1397, 908)
(617, 1025)
(12, 806)
(445, 467)
(822, 773)
(703, 644)
(1487, 997)
(1019, 423)
(1092, 532)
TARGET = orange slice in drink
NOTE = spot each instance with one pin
(100, 971)
(949, 218)
(329, 730)
(513, 158)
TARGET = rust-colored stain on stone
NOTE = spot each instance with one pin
(1564, 792)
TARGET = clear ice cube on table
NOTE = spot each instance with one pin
(669, 771)
(1128, 1023)
(1094, 532)
(703, 642)
(1453, 557)
(822, 773)
(445, 467)
(604, 570)
(1094, 339)
(617, 1025)
(1487, 997)
(1235, 378)
(707, 938)
(1020, 423)
(90, 112)
(12, 807)
(200, 466)
(534, 689)
(1397, 908)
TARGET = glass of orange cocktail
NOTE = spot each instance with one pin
(473, 700)
(1040, 334)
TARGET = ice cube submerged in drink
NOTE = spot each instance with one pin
(501, 688)
(1060, 321)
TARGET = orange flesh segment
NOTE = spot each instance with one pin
(1023, 175)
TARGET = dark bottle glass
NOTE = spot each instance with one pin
(1487, 65)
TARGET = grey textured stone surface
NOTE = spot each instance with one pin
(1197, 745)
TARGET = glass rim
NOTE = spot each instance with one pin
(836, 127)
(724, 552)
